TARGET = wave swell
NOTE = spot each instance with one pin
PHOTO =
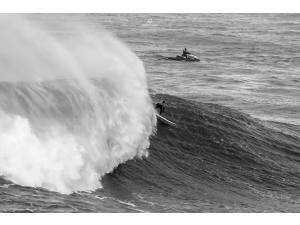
(216, 158)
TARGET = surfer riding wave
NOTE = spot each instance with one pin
(161, 107)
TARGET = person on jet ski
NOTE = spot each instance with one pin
(185, 53)
(161, 107)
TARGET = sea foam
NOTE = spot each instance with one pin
(72, 107)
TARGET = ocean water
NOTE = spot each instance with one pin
(78, 131)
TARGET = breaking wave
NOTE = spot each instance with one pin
(72, 108)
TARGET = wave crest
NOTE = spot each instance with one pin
(72, 108)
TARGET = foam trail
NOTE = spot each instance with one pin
(71, 108)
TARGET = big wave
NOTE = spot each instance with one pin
(72, 108)
(216, 159)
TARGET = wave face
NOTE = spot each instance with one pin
(216, 160)
(72, 108)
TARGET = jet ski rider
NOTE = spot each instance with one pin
(185, 53)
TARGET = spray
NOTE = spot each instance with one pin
(71, 108)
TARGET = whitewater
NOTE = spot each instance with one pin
(72, 109)
(78, 131)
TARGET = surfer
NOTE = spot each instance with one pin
(185, 53)
(161, 107)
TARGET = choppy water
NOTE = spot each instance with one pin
(249, 62)
(236, 144)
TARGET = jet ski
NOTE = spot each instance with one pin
(189, 58)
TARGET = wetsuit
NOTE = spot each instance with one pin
(161, 107)
(185, 53)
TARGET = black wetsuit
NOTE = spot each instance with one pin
(185, 53)
(161, 107)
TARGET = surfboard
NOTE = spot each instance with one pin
(164, 120)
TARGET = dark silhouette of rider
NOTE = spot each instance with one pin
(185, 53)
(161, 107)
